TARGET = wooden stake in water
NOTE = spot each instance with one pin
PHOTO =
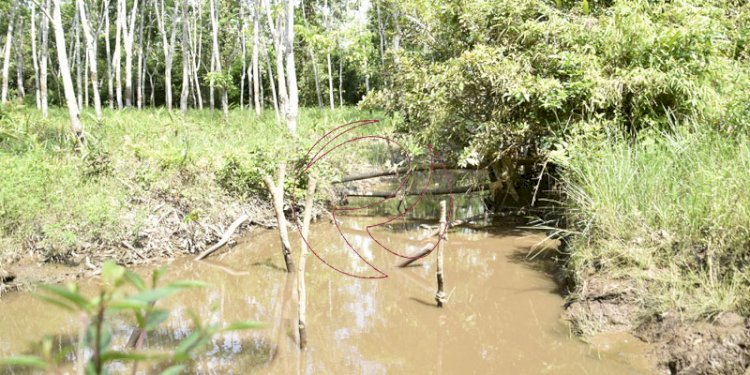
(440, 297)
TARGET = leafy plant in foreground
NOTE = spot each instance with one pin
(94, 348)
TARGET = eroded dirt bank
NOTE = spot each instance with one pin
(169, 228)
(720, 345)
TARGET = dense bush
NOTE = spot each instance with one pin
(501, 76)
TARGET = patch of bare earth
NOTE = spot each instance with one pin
(720, 346)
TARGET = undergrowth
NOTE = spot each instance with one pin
(669, 214)
(56, 200)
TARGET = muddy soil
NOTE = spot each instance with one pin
(166, 232)
(719, 346)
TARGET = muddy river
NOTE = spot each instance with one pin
(502, 316)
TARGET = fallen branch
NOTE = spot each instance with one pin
(421, 254)
(392, 172)
(439, 191)
(225, 238)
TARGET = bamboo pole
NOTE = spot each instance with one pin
(440, 297)
(304, 253)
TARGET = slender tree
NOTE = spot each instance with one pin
(168, 32)
(62, 58)
(6, 52)
(91, 54)
(44, 57)
(185, 59)
(128, 33)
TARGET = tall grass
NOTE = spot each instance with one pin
(670, 214)
(56, 200)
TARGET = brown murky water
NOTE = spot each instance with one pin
(502, 316)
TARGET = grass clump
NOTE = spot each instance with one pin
(668, 213)
(55, 201)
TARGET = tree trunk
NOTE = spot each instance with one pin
(304, 253)
(440, 297)
(185, 60)
(43, 59)
(283, 95)
(110, 83)
(330, 83)
(139, 76)
(243, 46)
(62, 58)
(21, 90)
(195, 60)
(168, 46)
(92, 58)
(255, 63)
(117, 53)
(35, 57)
(128, 28)
(274, 94)
(341, 83)
(215, 52)
(277, 195)
(78, 60)
(314, 63)
(6, 52)
(291, 71)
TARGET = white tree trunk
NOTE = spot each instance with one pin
(62, 58)
(19, 60)
(283, 96)
(110, 80)
(330, 82)
(304, 253)
(43, 60)
(128, 37)
(92, 58)
(6, 53)
(117, 53)
(291, 70)
(256, 64)
(185, 60)
(35, 56)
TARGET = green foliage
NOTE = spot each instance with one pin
(114, 298)
(670, 212)
(54, 200)
(498, 77)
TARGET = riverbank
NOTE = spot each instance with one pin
(150, 185)
(660, 237)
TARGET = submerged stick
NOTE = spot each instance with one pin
(225, 238)
(438, 191)
(304, 253)
(440, 297)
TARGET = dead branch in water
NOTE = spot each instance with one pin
(225, 238)
(438, 191)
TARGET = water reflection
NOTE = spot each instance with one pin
(502, 315)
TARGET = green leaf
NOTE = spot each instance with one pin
(24, 361)
(156, 275)
(155, 294)
(55, 302)
(136, 280)
(173, 370)
(128, 304)
(191, 342)
(131, 356)
(112, 273)
(70, 294)
(238, 326)
(155, 318)
(188, 284)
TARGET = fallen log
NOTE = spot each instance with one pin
(225, 238)
(392, 172)
(421, 254)
(438, 191)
